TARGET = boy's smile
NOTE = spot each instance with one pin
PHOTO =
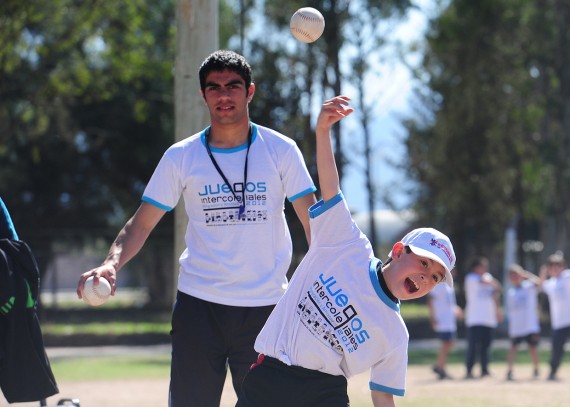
(411, 285)
(409, 276)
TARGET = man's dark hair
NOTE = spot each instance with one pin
(225, 60)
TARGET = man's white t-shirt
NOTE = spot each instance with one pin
(443, 303)
(558, 291)
(239, 261)
(480, 306)
(335, 317)
(522, 305)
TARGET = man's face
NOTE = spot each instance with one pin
(414, 276)
(227, 98)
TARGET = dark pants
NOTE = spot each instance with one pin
(479, 340)
(271, 383)
(206, 339)
(559, 338)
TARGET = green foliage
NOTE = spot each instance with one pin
(483, 151)
(86, 107)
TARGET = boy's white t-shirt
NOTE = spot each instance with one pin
(443, 308)
(558, 291)
(480, 306)
(239, 262)
(335, 318)
(522, 305)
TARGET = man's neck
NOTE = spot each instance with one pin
(228, 136)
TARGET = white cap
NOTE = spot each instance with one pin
(431, 243)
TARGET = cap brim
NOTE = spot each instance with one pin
(448, 278)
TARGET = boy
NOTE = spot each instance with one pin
(340, 315)
(522, 306)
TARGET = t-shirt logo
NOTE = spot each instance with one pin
(221, 207)
(326, 311)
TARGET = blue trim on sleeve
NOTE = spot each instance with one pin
(321, 207)
(229, 150)
(378, 288)
(7, 229)
(157, 204)
(303, 193)
(386, 389)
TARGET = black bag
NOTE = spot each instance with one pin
(25, 372)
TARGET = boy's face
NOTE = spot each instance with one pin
(515, 278)
(554, 269)
(410, 276)
(481, 268)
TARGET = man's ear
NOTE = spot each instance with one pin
(398, 249)
(250, 92)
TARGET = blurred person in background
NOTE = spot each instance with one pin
(444, 312)
(483, 313)
(522, 316)
(555, 279)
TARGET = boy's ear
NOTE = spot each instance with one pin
(398, 249)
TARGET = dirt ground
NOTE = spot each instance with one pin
(422, 390)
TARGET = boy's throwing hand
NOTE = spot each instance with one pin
(332, 111)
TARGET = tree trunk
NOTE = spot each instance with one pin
(197, 37)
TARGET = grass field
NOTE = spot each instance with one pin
(141, 380)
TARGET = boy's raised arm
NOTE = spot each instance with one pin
(332, 111)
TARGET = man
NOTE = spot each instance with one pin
(234, 176)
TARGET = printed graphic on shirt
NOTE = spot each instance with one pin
(222, 208)
(326, 311)
(519, 298)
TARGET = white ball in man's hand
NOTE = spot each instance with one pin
(96, 294)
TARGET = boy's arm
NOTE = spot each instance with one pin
(381, 399)
(532, 277)
(332, 111)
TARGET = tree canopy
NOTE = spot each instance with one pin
(488, 142)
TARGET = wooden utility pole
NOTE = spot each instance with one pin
(197, 36)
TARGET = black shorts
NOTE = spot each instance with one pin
(446, 336)
(531, 339)
(207, 338)
(273, 383)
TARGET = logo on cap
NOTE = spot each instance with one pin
(442, 246)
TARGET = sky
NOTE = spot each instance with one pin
(390, 94)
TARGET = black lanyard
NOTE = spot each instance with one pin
(242, 203)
